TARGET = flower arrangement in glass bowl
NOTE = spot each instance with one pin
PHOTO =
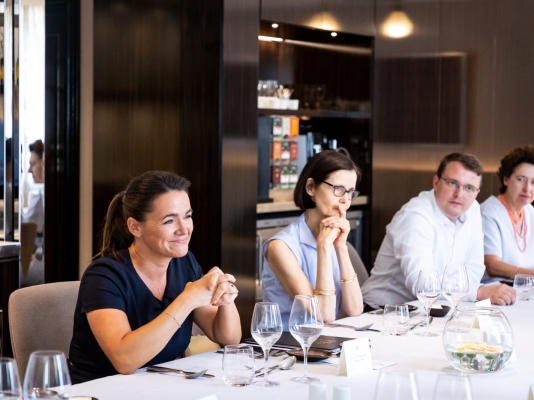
(478, 339)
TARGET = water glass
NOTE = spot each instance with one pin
(396, 318)
(397, 384)
(266, 329)
(524, 286)
(238, 365)
(453, 386)
(47, 375)
(428, 289)
(305, 324)
(9, 379)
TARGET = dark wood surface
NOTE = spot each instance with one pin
(240, 150)
(157, 98)
(62, 143)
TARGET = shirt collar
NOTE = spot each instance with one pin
(442, 217)
(305, 235)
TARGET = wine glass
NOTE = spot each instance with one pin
(397, 384)
(453, 386)
(455, 284)
(47, 375)
(427, 289)
(305, 324)
(9, 379)
(266, 329)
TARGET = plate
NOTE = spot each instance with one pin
(313, 355)
(410, 307)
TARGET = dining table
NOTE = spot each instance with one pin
(424, 357)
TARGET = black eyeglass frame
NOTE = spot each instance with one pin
(354, 192)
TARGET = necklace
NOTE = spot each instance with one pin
(149, 280)
(515, 221)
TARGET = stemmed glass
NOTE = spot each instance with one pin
(266, 329)
(305, 324)
(427, 289)
(47, 375)
(9, 379)
(455, 284)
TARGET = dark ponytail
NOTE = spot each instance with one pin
(135, 202)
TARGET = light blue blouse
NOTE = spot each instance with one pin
(298, 237)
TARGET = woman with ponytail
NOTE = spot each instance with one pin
(140, 296)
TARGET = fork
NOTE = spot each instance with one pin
(356, 328)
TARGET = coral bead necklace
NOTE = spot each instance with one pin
(515, 222)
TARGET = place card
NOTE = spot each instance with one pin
(531, 392)
(483, 303)
(355, 357)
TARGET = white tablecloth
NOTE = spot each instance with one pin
(424, 355)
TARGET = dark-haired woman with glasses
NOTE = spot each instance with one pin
(310, 256)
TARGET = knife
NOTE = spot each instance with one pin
(167, 369)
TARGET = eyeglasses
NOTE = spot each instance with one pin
(340, 191)
(452, 184)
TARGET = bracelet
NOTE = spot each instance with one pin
(324, 292)
(172, 316)
(350, 279)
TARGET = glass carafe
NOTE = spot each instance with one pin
(478, 339)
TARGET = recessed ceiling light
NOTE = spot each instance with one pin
(333, 34)
(274, 25)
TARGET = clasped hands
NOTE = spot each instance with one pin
(215, 288)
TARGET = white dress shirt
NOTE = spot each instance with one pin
(499, 235)
(421, 237)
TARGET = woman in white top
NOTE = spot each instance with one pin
(508, 219)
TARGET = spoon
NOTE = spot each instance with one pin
(187, 374)
(286, 364)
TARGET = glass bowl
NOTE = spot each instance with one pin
(478, 339)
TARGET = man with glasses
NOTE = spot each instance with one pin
(439, 227)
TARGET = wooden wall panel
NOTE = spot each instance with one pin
(240, 150)
(157, 85)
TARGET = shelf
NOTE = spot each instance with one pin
(316, 113)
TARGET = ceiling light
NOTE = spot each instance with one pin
(274, 25)
(333, 34)
(270, 38)
(397, 25)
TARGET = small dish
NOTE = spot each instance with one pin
(313, 355)
(440, 312)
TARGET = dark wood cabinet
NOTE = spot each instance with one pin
(296, 12)
(350, 16)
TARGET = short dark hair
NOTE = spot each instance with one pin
(469, 161)
(136, 201)
(38, 148)
(519, 155)
(318, 168)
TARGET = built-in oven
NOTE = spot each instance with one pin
(267, 225)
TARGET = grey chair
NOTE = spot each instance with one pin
(41, 318)
(357, 264)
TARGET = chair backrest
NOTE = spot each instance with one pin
(28, 233)
(41, 318)
(357, 264)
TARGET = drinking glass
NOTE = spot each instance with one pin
(427, 289)
(266, 329)
(524, 286)
(396, 318)
(9, 379)
(455, 284)
(305, 324)
(453, 386)
(238, 364)
(397, 384)
(47, 375)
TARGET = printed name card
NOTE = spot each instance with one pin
(355, 357)
(483, 303)
(531, 392)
